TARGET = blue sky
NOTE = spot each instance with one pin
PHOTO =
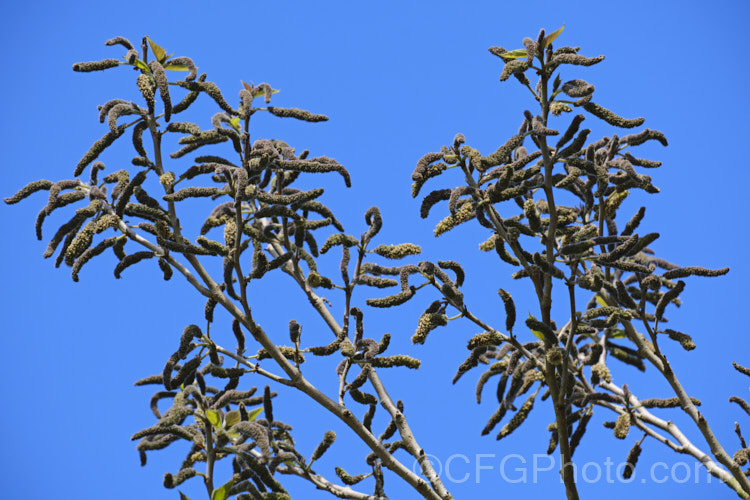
(397, 80)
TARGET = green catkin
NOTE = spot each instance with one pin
(118, 40)
(374, 281)
(347, 479)
(363, 398)
(576, 59)
(684, 339)
(299, 114)
(97, 148)
(570, 132)
(184, 247)
(172, 481)
(456, 196)
(397, 251)
(86, 67)
(29, 189)
(211, 90)
(666, 403)
(622, 426)
(741, 369)
(741, 402)
(666, 298)
(620, 251)
(328, 439)
(577, 88)
(131, 259)
(485, 339)
(463, 214)
(684, 272)
(396, 360)
(538, 127)
(188, 99)
(456, 268)
(127, 191)
(641, 162)
(212, 246)
(611, 118)
(284, 199)
(577, 248)
(184, 128)
(123, 109)
(518, 418)
(191, 192)
(510, 309)
(495, 369)
(600, 372)
(634, 222)
(531, 49)
(294, 331)
(431, 199)
(89, 254)
(631, 461)
(643, 136)
(575, 439)
(317, 165)
(503, 253)
(268, 404)
(502, 155)
(512, 67)
(338, 239)
(419, 171)
(160, 78)
(205, 140)
(529, 208)
(427, 323)
(107, 106)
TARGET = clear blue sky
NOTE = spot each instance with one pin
(398, 79)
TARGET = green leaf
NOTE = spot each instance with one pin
(550, 38)
(600, 301)
(159, 53)
(183, 496)
(258, 93)
(142, 65)
(254, 414)
(515, 54)
(617, 334)
(235, 123)
(177, 67)
(536, 333)
(231, 418)
(221, 492)
(214, 418)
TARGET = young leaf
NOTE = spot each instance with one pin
(142, 66)
(159, 53)
(515, 54)
(260, 92)
(550, 38)
(600, 301)
(254, 414)
(184, 496)
(231, 418)
(214, 418)
(235, 122)
(222, 492)
(177, 67)
(536, 333)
